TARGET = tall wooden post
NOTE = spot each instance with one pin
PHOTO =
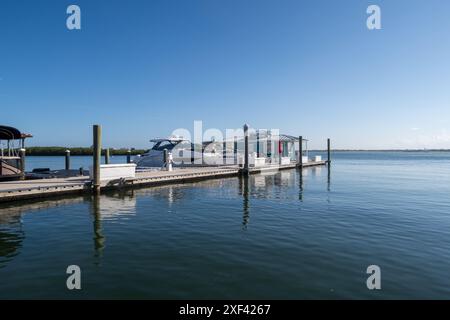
(165, 158)
(280, 150)
(246, 165)
(235, 150)
(257, 143)
(329, 150)
(224, 152)
(107, 156)
(300, 152)
(97, 133)
(67, 159)
(22, 163)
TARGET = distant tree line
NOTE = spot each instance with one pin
(77, 151)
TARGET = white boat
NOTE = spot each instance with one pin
(280, 150)
(184, 153)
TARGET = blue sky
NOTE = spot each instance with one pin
(144, 68)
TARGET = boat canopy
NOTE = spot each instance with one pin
(10, 133)
(264, 136)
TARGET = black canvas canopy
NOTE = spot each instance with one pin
(10, 133)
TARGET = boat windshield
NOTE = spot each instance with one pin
(166, 144)
(181, 145)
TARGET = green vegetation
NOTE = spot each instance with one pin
(77, 151)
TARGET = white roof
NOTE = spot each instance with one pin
(170, 139)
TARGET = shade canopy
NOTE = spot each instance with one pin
(10, 133)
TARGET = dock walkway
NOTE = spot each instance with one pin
(42, 188)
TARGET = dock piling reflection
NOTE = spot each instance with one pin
(99, 238)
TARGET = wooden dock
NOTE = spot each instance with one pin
(43, 188)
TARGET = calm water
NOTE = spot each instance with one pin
(269, 236)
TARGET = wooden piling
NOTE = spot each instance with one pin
(224, 152)
(257, 143)
(300, 152)
(329, 150)
(235, 150)
(22, 163)
(246, 164)
(107, 156)
(97, 137)
(165, 158)
(67, 159)
(280, 150)
(128, 156)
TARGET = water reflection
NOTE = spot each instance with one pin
(12, 234)
(329, 177)
(173, 193)
(112, 206)
(99, 238)
(300, 184)
(11, 238)
(118, 207)
(246, 206)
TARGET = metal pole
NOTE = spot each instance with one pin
(22, 163)
(97, 133)
(67, 159)
(107, 156)
(246, 149)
